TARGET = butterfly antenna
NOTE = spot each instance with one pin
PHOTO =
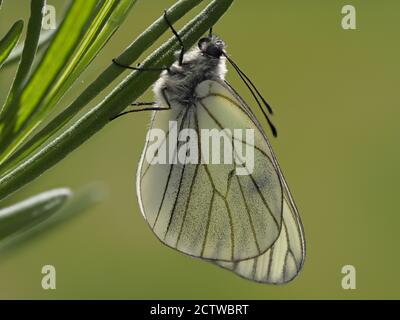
(250, 86)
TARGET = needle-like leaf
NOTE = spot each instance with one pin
(7, 114)
(33, 217)
(32, 211)
(9, 41)
(129, 90)
(129, 56)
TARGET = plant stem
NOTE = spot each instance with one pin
(10, 40)
(19, 115)
(129, 56)
(129, 90)
(7, 113)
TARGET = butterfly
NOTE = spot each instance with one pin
(246, 223)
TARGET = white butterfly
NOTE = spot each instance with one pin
(248, 224)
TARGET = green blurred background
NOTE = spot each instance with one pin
(335, 95)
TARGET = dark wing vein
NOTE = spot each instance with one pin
(253, 230)
(208, 224)
(169, 177)
(286, 194)
(222, 96)
(187, 205)
(270, 262)
(254, 270)
(231, 225)
(234, 138)
(251, 176)
(193, 180)
(171, 216)
(227, 209)
(265, 201)
(163, 141)
(241, 109)
(289, 244)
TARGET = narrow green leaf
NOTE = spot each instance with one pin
(30, 212)
(16, 54)
(129, 56)
(103, 25)
(44, 38)
(47, 74)
(9, 41)
(129, 90)
(107, 21)
(28, 54)
(109, 26)
(10, 108)
(73, 206)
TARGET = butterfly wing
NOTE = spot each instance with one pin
(284, 260)
(206, 210)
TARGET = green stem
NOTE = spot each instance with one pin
(32, 211)
(28, 54)
(10, 109)
(10, 40)
(15, 55)
(129, 56)
(129, 90)
(21, 110)
(44, 39)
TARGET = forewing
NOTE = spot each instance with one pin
(284, 260)
(207, 210)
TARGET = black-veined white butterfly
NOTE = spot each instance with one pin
(248, 224)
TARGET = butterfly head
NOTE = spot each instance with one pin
(212, 46)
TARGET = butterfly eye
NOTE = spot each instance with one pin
(203, 41)
(213, 51)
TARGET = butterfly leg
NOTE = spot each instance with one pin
(143, 103)
(152, 106)
(164, 94)
(157, 69)
(155, 108)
